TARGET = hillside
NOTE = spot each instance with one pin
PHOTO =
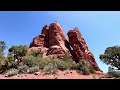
(51, 55)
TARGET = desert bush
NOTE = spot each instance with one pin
(50, 69)
(64, 65)
(91, 69)
(75, 65)
(113, 73)
(71, 65)
(3, 65)
(11, 64)
(42, 63)
(66, 57)
(30, 60)
(79, 72)
(85, 71)
(36, 53)
(1, 69)
(61, 65)
(11, 72)
(18, 51)
(22, 69)
(33, 69)
(83, 67)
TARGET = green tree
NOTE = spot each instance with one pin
(2, 48)
(18, 51)
(111, 56)
(10, 56)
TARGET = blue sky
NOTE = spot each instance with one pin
(100, 29)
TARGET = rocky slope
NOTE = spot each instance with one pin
(53, 41)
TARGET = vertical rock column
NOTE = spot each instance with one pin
(80, 49)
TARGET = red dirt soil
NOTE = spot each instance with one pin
(60, 75)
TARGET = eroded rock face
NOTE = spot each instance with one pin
(53, 41)
(38, 41)
(80, 49)
(53, 38)
(45, 31)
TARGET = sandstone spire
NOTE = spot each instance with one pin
(80, 49)
(53, 41)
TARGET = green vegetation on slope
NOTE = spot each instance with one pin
(18, 61)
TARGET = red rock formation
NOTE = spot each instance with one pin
(45, 31)
(80, 49)
(54, 39)
(38, 41)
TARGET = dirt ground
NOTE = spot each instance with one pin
(60, 75)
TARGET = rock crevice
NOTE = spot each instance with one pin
(54, 42)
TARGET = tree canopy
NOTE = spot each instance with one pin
(2, 48)
(18, 51)
(111, 56)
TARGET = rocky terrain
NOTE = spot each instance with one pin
(60, 75)
(53, 41)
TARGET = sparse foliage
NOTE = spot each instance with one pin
(33, 69)
(84, 68)
(11, 72)
(50, 68)
(22, 69)
(112, 73)
(37, 53)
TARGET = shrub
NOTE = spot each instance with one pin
(79, 72)
(18, 52)
(36, 53)
(22, 69)
(66, 57)
(75, 65)
(33, 69)
(30, 60)
(42, 63)
(64, 65)
(91, 69)
(2, 48)
(83, 67)
(1, 69)
(71, 65)
(114, 74)
(3, 65)
(11, 64)
(50, 69)
(11, 72)
(61, 65)
(85, 71)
